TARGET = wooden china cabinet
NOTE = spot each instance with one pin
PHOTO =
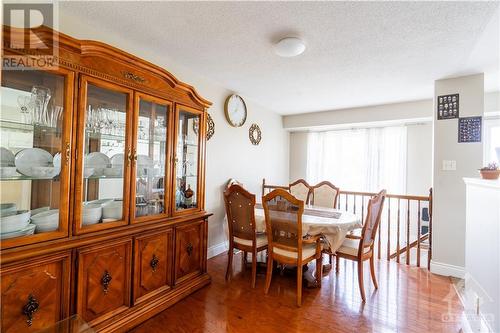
(102, 191)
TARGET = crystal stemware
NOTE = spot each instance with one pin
(41, 97)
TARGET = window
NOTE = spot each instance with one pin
(491, 140)
(367, 159)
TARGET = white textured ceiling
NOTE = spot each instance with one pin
(358, 53)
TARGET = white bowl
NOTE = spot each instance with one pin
(99, 202)
(49, 217)
(46, 227)
(28, 230)
(6, 172)
(7, 209)
(91, 214)
(112, 210)
(87, 172)
(39, 210)
(15, 222)
(113, 172)
(44, 172)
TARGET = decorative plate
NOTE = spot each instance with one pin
(210, 126)
(6, 157)
(28, 158)
(255, 134)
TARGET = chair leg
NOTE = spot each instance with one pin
(269, 274)
(299, 285)
(319, 270)
(243, 260)
(360, 280)
(336, 264)
(254, 267)
(372, 271)
(229, 269)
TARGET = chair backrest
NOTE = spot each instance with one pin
(283, 221)
(301, 190)
(240, 210)
(325, 194)
(375, 206)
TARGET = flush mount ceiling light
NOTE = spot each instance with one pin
(289, 47)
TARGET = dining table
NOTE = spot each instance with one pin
(332, 224)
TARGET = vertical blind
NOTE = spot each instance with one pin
(367, 159)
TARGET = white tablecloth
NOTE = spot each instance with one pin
(333, 224)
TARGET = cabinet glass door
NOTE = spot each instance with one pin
(187, 155)
(35, 134)
(105, 115)
(151, 158)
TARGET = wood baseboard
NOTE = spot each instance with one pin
(140, 313)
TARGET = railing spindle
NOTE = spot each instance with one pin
(399, 220)
(418, 236)
(388, 229)
(346, 201)
(408, 232)
(355, 204)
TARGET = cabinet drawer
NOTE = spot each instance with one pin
(103, 280)
(189, 250)
(35, 294)
(153, 264)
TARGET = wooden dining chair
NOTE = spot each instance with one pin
(283, 214)
(360, 248)
(301, 190)
(240, 210)
(324, 194)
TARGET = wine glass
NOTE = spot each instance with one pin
(25, 104)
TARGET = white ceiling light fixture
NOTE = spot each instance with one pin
(289, 47)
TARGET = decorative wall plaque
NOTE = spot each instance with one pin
(469, 129)
(210, 126)
(255, 134)
(447, 106)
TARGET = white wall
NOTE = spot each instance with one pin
(229, 152)
(448, 233)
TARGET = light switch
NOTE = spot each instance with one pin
(449, 165)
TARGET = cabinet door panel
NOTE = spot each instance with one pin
(103, 281)
(189, 127)
(153, 264)
(189, 250)
(35, 295)
(35, 127)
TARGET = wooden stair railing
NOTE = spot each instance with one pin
(400, 227)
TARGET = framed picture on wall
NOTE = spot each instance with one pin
(469, 129)
(447, 107)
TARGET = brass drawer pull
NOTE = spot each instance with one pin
(189, 249)
(105, 281)
(154, 262)
(30, 308)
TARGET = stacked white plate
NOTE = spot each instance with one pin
(16, 225)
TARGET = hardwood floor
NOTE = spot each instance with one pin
(408, 300)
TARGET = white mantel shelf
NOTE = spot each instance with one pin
(483, 182)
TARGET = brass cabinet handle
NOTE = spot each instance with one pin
(154, 262)
(30, 308)
(105, 281)
(189, 249)
(68, 152)
(135, 155)
(129, 155)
